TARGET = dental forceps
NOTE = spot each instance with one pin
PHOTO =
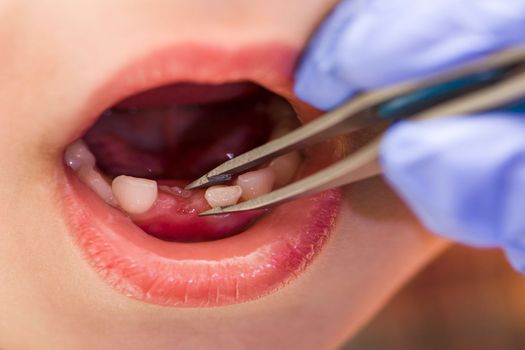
(494, 82)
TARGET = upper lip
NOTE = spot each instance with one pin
(274, 63)
(232, 270)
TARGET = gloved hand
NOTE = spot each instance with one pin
(464, 176)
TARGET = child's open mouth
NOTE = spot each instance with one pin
(125, 181)
(140, 155)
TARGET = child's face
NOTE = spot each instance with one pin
(64, 268)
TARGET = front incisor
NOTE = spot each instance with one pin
(134, 195)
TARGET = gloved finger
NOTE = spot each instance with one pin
(317, 79)
(372, 43)
(463, 177)
(516, 256)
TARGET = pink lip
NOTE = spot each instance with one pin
(236, 269)
(270, 65)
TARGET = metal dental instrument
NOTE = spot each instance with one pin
(495, 82)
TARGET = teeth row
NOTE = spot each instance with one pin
(79, 158)
(278, 173)
(137, 195)
(131, 194)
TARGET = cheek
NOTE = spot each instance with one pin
(377, 246)
(376, 216)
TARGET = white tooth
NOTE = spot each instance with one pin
(256, 183)
(221, 196)
(285, 167)
(94, 180)
(135, 195)
(78, 155)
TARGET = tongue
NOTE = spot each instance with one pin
(173, 216)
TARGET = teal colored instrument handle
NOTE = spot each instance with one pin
(409, 104)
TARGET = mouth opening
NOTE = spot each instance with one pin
(142, 151)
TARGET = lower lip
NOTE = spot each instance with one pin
(236, 269)
(233, 270)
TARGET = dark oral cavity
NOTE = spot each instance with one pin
(174, 135)
(187, 94)
(181, 141)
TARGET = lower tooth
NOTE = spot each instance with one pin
(134, 195)
(221, 196)
(94, 180)
(78, 155)
(256, 183)
(285, 168)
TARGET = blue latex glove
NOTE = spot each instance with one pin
(465, 176)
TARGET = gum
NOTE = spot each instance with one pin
(174, 217)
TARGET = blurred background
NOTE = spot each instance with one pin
(466, 299)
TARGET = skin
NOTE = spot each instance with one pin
(54, 54)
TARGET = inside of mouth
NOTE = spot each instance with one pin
(142, 151)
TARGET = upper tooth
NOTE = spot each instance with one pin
(256, 183)
(221, 196)
(78, 154)
(135, 195)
